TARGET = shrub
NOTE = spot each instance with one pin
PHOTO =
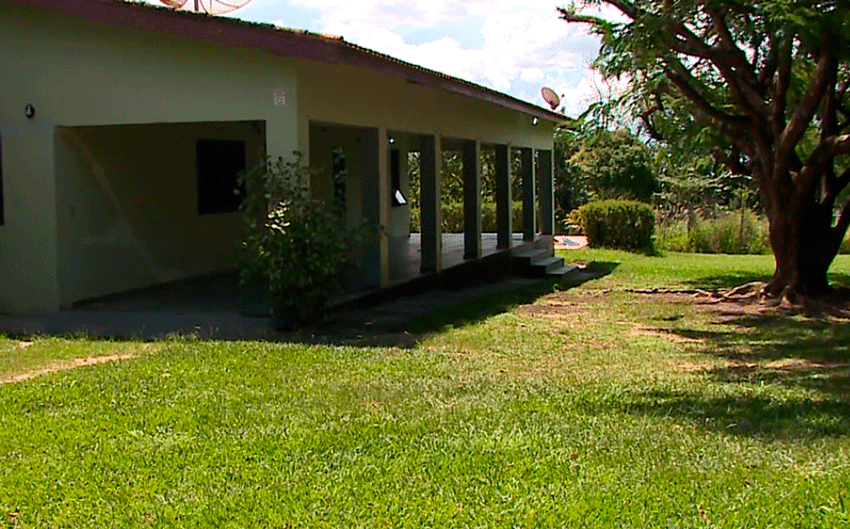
(297, 247)
(673, 236)
(740, 232)
(624, 224)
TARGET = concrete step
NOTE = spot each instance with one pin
(530, 257)
(564, 272)
(545, 266)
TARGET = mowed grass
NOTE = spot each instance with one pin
(594, 407)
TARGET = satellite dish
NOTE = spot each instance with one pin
(210, 7)
(550, 97)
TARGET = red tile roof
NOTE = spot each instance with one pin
(277, 41)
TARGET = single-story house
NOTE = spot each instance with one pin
(123, 125)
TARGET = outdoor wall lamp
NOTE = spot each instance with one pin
(29, 111)
(535, 121)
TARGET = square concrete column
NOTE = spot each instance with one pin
(545, 172)
(472, 200)
(504, 198)
(529, 214)
(429, 198)
(376, 206)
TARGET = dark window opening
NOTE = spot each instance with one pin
(2, 218)
(219, 163)
(339, 170)
(398, 198)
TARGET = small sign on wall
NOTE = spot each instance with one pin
(279, 96)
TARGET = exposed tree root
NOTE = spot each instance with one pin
(835, 304)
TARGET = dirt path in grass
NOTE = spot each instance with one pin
(65, 365)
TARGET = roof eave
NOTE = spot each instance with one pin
(287, 43)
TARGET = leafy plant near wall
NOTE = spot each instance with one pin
(298, 247)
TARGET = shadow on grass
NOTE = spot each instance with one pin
(475, 310)
(789, 353)
(478, 309)
(740, 277)
(752, 416)
(728, 280)
(342, 328)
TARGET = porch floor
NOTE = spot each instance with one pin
(221, 293)
(406, 255)
(215, 306)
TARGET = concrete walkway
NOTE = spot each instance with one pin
(387, 318)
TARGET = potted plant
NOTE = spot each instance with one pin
(299, 247)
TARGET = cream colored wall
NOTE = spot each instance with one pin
(323, 138)
(80, 73)
(28, 264)
(128, 209)
(353, 96)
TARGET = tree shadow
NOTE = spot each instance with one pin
(769, 349)
(387, 325)
(739, 277)
(728, 280)
(750, 416)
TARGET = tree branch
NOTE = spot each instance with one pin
(727, 57)
(731, 160)
(738, 59)
(770, 64)
(801, 118)
(829, 119)
(823, 155)
(780, 87)
(687, 85)
(627, 8)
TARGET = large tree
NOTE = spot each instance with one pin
(766, 82)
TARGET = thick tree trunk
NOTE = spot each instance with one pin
(803, 248)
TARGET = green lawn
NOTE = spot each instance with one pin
(595, 407)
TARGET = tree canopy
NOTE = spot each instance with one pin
(764, 84)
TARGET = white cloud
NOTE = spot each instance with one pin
(591, 87)
(525, 44)
(522, 42)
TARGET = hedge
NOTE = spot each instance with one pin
(624, 224)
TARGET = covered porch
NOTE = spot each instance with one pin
(396, 184)
(221, 292)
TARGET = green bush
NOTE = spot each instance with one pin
(673, 237)
(625, 224)
(452, 213)
(740, 232)
(299, 248)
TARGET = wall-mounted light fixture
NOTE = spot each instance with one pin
(29, 111)
(535, 120)
(392, 140)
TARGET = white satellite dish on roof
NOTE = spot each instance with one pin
(550, 97)
(210, 7)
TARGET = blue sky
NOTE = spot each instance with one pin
(513, 47)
